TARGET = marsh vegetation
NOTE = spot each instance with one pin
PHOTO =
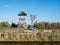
(13, 33)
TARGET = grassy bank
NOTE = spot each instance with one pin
(18, 34)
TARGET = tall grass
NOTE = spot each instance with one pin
(18, 34)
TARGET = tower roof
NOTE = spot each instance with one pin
(22, 14)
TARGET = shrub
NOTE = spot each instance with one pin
(13, 25)
(4, 24)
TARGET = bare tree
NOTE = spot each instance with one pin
(32, 19)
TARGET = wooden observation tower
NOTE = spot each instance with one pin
(22, 18)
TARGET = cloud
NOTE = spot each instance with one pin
(6, 17)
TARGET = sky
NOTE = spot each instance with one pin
(44, 10)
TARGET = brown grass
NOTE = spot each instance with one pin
(20, 35)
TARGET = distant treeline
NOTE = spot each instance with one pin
(7, 25)
(40, 25)
(47, 25)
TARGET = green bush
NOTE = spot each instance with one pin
(4, 25)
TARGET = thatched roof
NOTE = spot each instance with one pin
(22, 14)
